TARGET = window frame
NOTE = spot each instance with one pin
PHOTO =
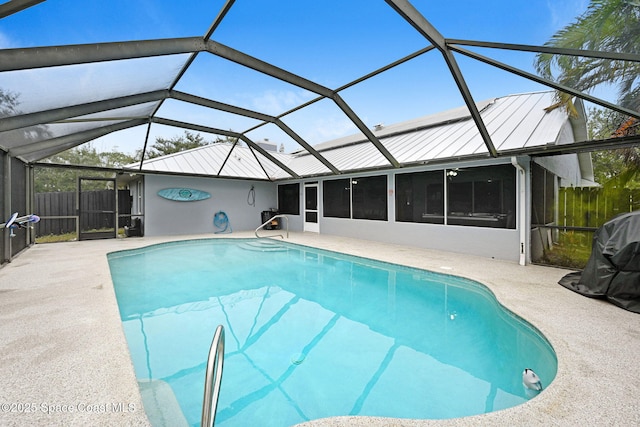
(336, 201)
(369, 198)
(416, 198)
(281, 195)
(470, 209)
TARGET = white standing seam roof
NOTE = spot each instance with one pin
(217, 160)
(513, 121)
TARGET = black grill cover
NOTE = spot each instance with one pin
(613, 269)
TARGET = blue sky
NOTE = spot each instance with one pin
(331, 42)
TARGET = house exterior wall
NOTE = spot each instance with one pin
(482, 201)
(495, 243)
(565, 166)
(469, 240)
(167, 217)
(461, 239)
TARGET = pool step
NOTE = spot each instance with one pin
(263, 245)
(161, 404)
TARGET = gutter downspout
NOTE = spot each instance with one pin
(522, 209)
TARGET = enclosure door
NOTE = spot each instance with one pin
(311, 208)
(97, 210)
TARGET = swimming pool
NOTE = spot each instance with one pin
(312, 333)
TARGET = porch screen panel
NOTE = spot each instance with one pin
(2, 209)
(289, 199)
(370, 197)
(482, 197)
(336, 198)
(19, 203)
(420, 197)
(543, 200)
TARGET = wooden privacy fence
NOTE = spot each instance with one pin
(59, 214)
(55, 205)
(593, 206)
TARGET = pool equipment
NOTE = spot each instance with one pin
(19, 222)
(251, 197)
(11, 220)
(135, 229)
(213, 378)
(274, 224)
(221, 222)
(530, 380)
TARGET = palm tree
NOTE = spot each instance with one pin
(607, 26)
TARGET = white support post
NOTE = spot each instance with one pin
(522, 206)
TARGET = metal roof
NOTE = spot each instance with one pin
(513, 122)
(222, 160)
(81, 90)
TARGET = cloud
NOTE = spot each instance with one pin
(315, 127)
(5, 41)
(328, 128)
(278, 101)
(563, 13)
(315, 131)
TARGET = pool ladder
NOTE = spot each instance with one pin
(269, 221)
(213, 378)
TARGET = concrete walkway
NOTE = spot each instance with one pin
(65, 359)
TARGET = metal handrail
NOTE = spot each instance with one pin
(213, 378)
(271, 219)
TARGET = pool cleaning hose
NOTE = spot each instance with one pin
(221, 222)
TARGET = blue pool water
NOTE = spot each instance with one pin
(313, 333)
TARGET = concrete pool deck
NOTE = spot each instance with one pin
(65, 359)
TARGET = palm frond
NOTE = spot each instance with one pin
(607, 26)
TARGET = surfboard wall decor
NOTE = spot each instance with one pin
(183, 194)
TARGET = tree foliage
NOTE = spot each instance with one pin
(9, 106)
(613, 167)
(607, 26)
(53, 179)
(57, 179)
(164, 146)
(49, 179)
(176, 144)
(8, 103)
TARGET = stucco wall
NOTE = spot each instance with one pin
(167, 217)
(565, 166)
(487, 242)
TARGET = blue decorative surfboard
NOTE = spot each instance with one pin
(183, 194)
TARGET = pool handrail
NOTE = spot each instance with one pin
(213, 378)
(271, 219)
